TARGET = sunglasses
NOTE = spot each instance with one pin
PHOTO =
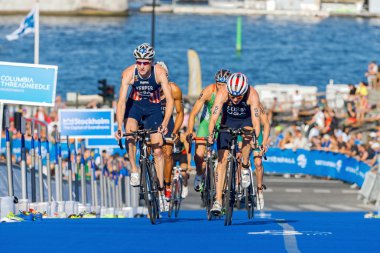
(236, 97)
(221, 80)
(145, 63)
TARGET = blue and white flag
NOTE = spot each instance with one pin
(26, 26)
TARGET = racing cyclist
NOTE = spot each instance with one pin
(239, 104)
(173, 129)
(144, 103)
(262, 143)
(206, 100)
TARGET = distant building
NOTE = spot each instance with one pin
(62, 6)
(341, 6)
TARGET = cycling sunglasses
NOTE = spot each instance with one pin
(145, 63)
(236, 97)
(221, 80)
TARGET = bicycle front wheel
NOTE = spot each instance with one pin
(172, 198)
(178, 197)
(148, 196)
(211, 188)
(230, 193)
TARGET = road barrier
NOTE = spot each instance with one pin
(315, 163)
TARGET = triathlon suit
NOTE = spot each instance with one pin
(171, 120)
(234, 116)
(144, 104)
(206, 115)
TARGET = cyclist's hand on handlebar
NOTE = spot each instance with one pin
(163, 129)
(118, 134)
(189, 136)
(175, 137)
(263, 148)
(253, 144)
(211, 139)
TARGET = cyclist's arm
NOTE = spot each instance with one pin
(265, 122)
(255, 110)
(161, 77)
(220, 99)
(177, 96)
(126, 78)
(202, 99)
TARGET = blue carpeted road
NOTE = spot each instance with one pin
(272, 232)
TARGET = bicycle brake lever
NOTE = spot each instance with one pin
(121, 144)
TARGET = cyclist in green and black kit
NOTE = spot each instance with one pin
(206, 100)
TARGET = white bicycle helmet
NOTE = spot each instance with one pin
(237, 84)
(162, 64)
(144, 51)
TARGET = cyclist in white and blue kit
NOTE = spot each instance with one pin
(239, 104)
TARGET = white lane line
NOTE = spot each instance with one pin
(190, 206)
(314, 207)
(367, 207)
(293, 190)
(343, 207)
(268, 190)
(289, 239)
(286, 207)
(321, 191)
(350, 191)
(288, 180)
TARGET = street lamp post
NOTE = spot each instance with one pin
(153, 21)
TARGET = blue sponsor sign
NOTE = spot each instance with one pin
(28, 84)
(103, 142)
(317, 163)
(86, 123)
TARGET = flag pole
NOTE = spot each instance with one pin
(37, 34)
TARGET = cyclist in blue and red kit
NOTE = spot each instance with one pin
(144, 105)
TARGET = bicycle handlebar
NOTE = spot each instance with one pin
(139, 133)
(190, 139)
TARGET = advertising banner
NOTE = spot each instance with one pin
(28, 84)
(316, 163)
(86, 123)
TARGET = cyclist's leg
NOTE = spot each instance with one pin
(220, 174)
(152, 120)
(200, 148)
(246, 151)
(223, 141)
(167, 149)
(168, 160)
(131, 125)
(259, 178)
(258, 160)
(258, 168)
(156, 144)
(133, 116)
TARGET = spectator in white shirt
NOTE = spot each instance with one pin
(297, 103)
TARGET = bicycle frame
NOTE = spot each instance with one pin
(232, 167)
(148, 179)
(208, 193)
